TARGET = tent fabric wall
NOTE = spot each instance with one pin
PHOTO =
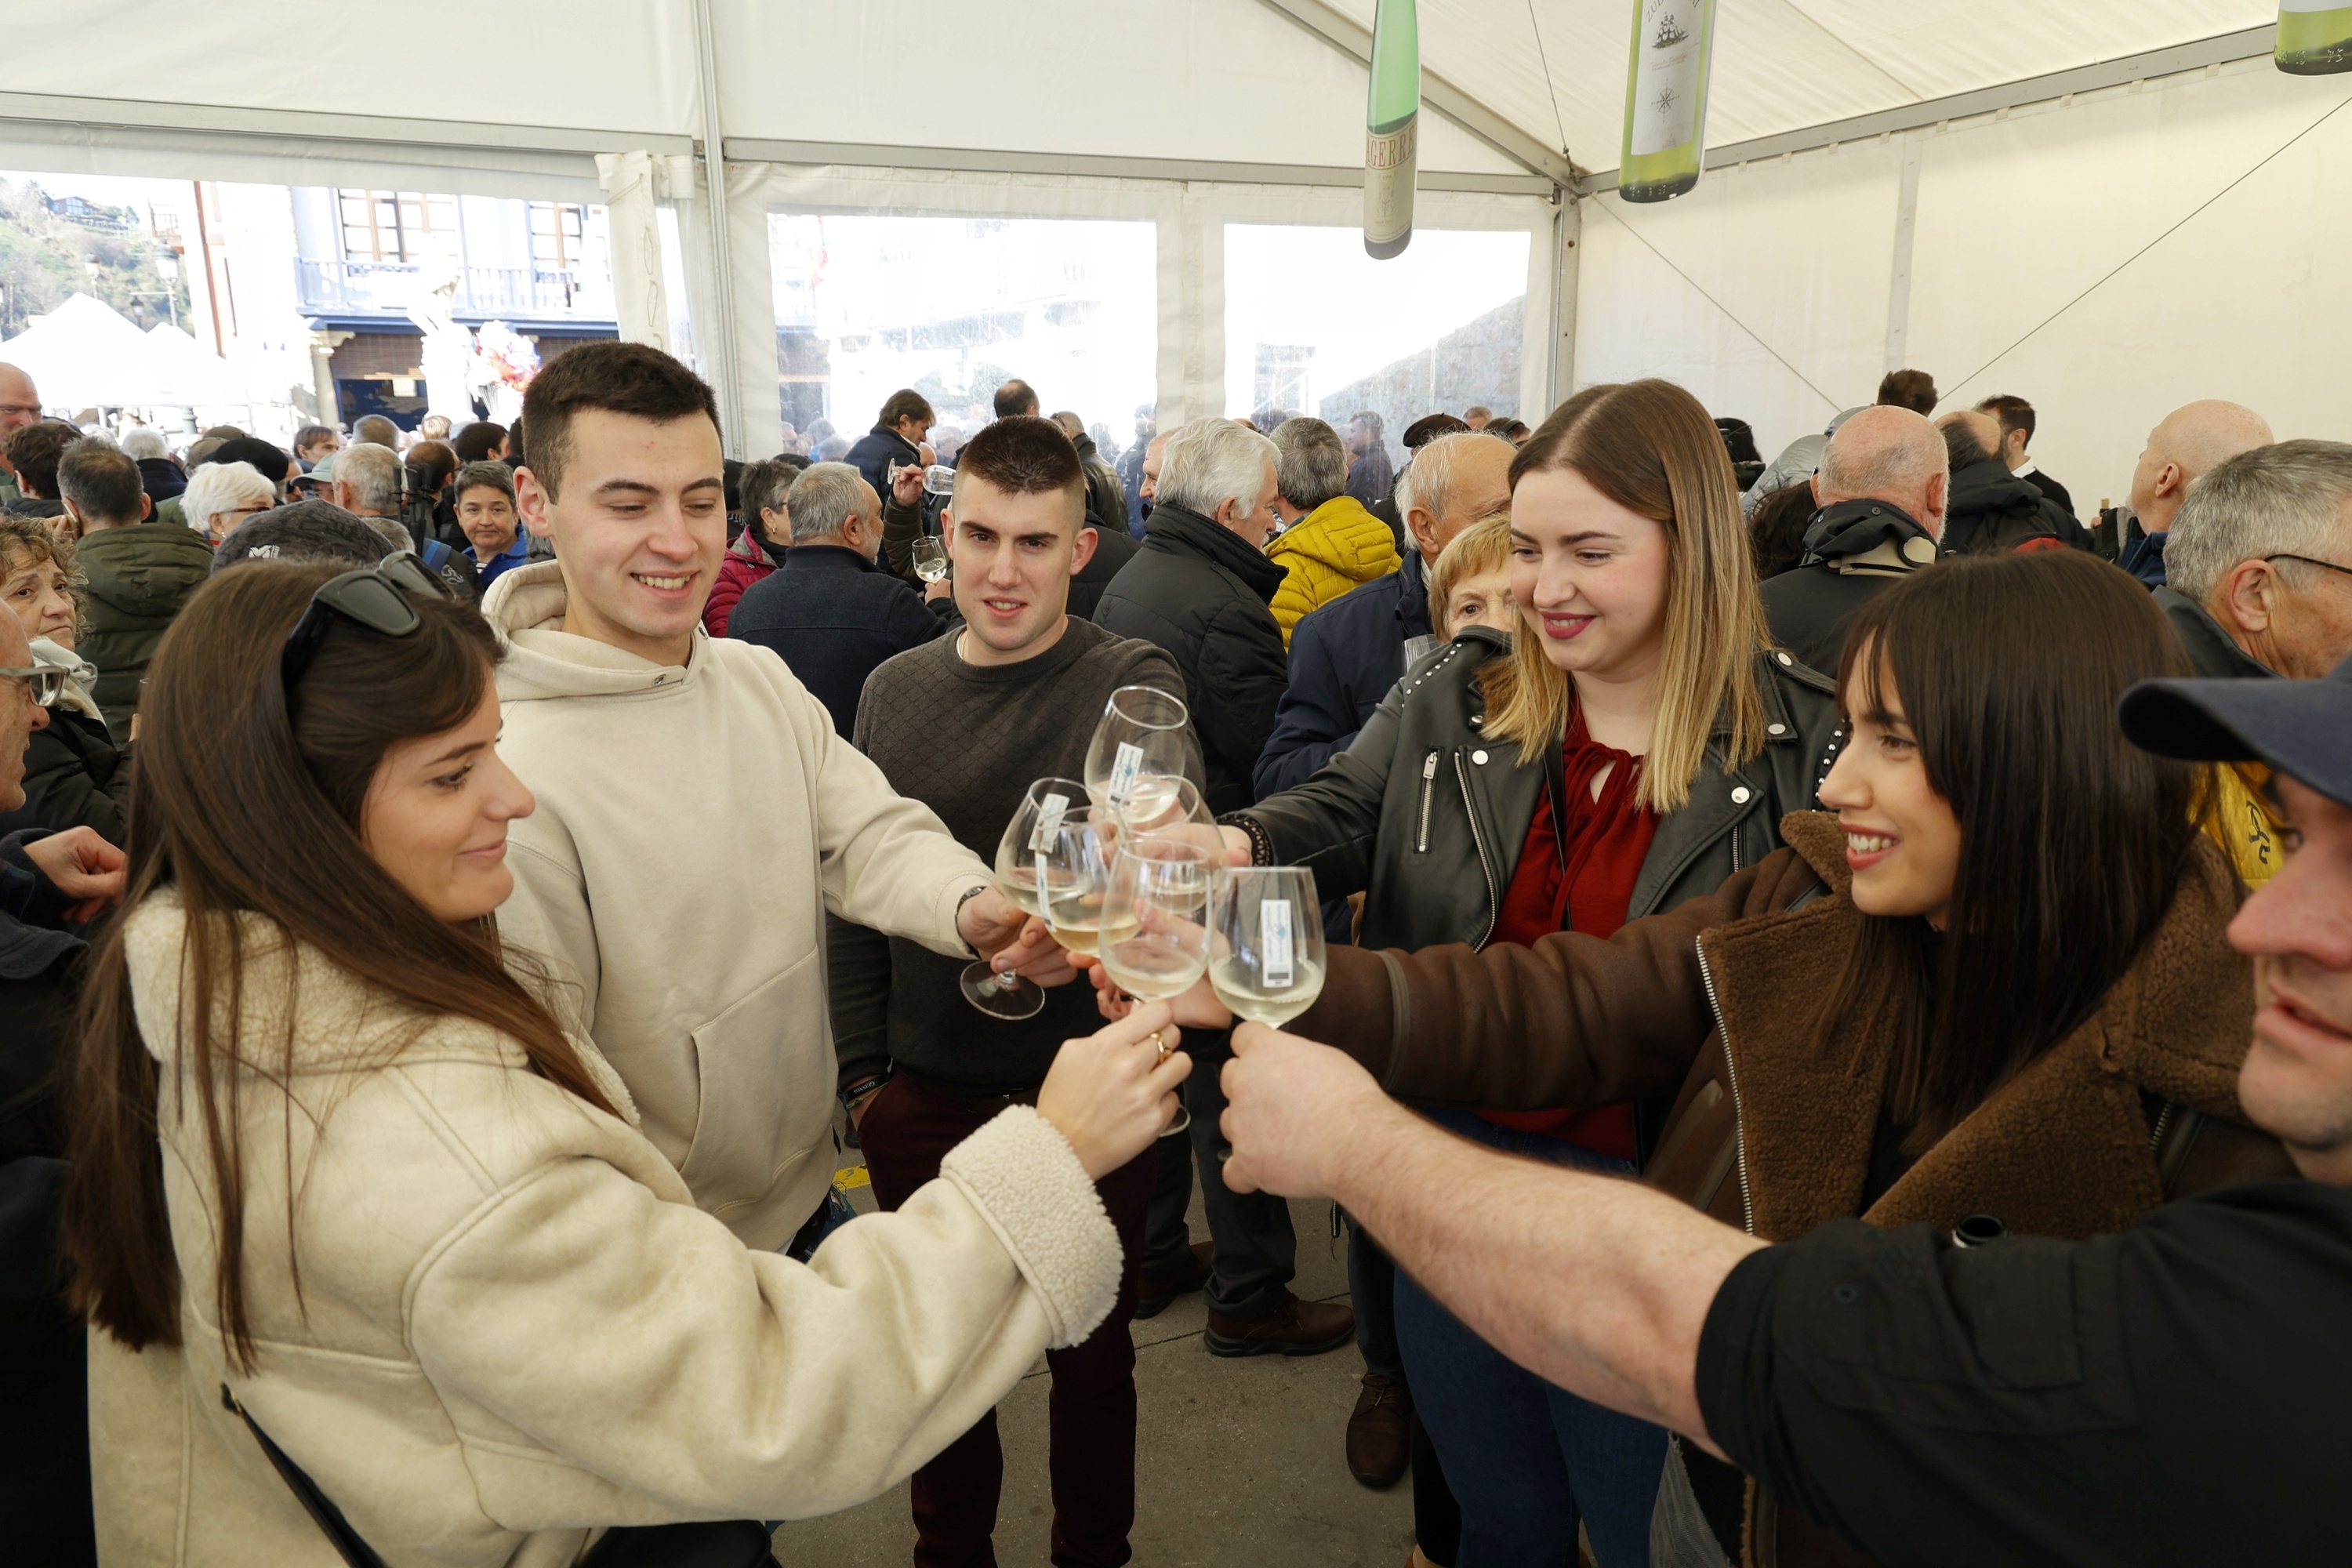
(2065, 252)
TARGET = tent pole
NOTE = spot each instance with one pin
(1567, 230)
(719, 344)
(1898, 285)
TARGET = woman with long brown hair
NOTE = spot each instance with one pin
(1633, 741)
(344, 1193)
(1994, 984)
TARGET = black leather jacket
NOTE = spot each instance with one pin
(1426, 816)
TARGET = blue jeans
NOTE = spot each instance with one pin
(1526, 1460)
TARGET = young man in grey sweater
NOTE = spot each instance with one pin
(965, 724)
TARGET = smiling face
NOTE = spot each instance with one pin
(489, 519)
(436, 812)
(1902, 840)
(640, 529)
(1590, 575)
(34, 588)
(2297, 1079)
(1013, 557)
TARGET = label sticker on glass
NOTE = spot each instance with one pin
(1050, 812)
(1124, 767)
(1274, 942)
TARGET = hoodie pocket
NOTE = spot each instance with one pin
(764, 1077)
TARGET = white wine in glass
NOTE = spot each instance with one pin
(1136, 757)
(1268, 962)
(930, 558)
(1078, 874)
(1024, 877)
(1155, 922)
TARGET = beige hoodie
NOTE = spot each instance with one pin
(695, 823)
(514, 1323)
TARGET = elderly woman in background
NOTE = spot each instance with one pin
(221, 495)
(74, 773)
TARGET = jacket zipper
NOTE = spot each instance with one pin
(1731, 1072)
(2163, 1123)
(1735, 848)
(1428, 797)
(1486, 865)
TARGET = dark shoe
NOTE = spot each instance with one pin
(1152, 1295)
(1379, 1434)
(1294, 1328)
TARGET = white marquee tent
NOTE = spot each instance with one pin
(2109, 207)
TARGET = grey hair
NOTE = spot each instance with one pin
(1851, 469)
(1211, 461)
(373, 474)
(488, 474)
(763, 484)
(1427, 481)
(1310, 464)
(141, 442)
(824, 499)
(2284, 499)
(217, 487)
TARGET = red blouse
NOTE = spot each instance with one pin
(1585, 885)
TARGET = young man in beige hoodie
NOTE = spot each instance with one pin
(697, 814)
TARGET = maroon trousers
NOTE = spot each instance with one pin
(907, 1129)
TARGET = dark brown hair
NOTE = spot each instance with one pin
(620, 378)
(248, 810)
(1912, 389)
(2013, 412)
(906, 404)
(33, 451)
(432, 463)
(1777, 532)
(1023, 454)
(475, 442)
(2007, 668)
(102, 483)
(1015, 396)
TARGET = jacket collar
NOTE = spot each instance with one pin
(1853, 528)
(1178, 532)
(1343, 535)
(1412, 604)
(824, 558)
(750, 546)
(2211, 653)
(2061, 1149)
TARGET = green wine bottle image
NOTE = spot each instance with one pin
(1665, 99)
(1390, 117)
(2314, 40)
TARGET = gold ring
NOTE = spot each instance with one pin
(1165, 1049)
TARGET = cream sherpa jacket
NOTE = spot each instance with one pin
(516, 1325)
(694, 826)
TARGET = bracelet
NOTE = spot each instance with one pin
(1261, 843)
(863, 1090)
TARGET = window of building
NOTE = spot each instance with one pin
(398, 226)
(556, 234)
(953, 306)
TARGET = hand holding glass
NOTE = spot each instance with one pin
(1155, 915)
(1021, 870)
(930, 558)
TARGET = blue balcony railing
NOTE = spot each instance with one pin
(388, 286)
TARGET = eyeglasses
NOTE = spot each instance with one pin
(375, 597)
(47, 681)
(2308, 560)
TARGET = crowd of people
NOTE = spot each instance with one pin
(1833, 1047)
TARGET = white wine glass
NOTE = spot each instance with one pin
(930, 558)
(1155, 922)
(1076, 877)
(1021, 873)
(1136, 757)
(1266, 964)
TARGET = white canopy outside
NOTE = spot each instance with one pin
(2109, 207)
(84, 354)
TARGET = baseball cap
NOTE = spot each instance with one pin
(2300, 727)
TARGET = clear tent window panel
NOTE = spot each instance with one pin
(1315, 326)
(953, 306)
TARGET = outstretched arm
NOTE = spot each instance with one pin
(1594, 1283)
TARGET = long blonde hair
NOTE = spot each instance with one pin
(1650, 447)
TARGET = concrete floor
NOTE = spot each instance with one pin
(1237, 1462)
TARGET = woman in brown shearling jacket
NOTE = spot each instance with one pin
(1994, 984)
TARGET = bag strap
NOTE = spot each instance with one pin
(316, 1503)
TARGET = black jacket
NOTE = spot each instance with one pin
(1200, 592)
(834, 616)
(1113, 550)
(1993, 509)
(160, 478)
(75, 777)
(875, 452)
(1426, 816)
(2053, 489)
(1106, 497)
(1343, 659)
(2211, 655)
(1854, 551)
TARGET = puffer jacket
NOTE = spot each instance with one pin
(1201, 592)
(1991, 509)
(1331, 551)
(749, 560)
(1426, 816)
(136, 579)
(1771, 1130)
(514, 1324)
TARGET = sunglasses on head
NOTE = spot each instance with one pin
(375, 597)
(47, 681)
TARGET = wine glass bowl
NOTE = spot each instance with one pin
(1138, 753)
(1266, 964)
(930, 559)
(1154, 932)
(1026, 877)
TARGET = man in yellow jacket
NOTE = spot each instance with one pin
(1330, 544)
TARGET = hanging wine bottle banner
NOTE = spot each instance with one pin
(2315, 38)
(1391, 120)
(1665, 99)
